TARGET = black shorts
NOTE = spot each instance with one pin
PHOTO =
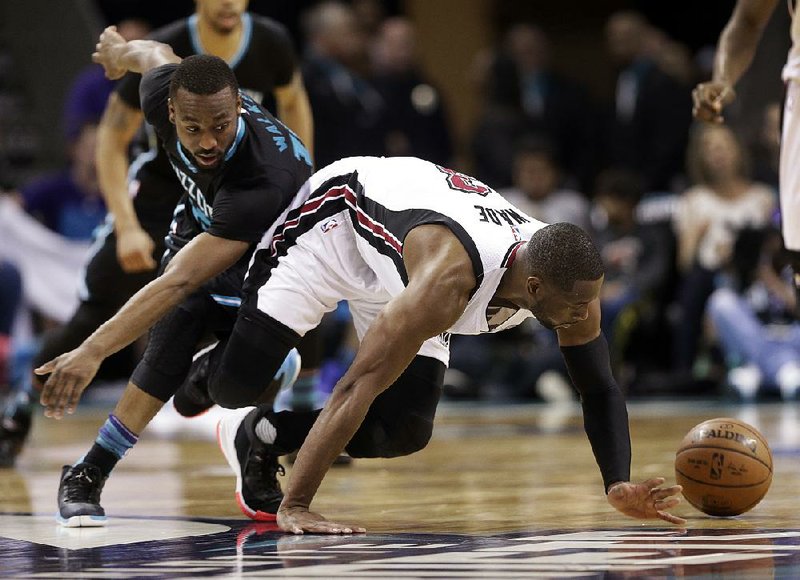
(105, 282)
(206, 315)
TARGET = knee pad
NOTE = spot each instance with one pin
(377, 439)
(242, 371)
(171, 345)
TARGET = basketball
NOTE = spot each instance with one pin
(724, 466)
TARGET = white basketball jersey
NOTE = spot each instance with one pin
(384, 198)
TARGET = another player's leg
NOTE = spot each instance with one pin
(257, 348)
(14, 422)
(158, 375)
(399, 422)
(283, 303)
(105, 288)
(82, 482)
(18, 412)
(193, 399)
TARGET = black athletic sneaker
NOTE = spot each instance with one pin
(14, 429)
(192, 398)
(255, 464)
(79, 496)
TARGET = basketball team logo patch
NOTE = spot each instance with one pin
(329, 225)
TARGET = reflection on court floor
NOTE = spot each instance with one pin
(169, 548)
(501, 492)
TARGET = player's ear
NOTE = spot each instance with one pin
(239, 103)
(171, 109)
(533, 284)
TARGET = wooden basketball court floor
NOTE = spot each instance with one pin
(501, 492)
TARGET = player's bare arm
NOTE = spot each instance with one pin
(118, 56)
(294, 109)
(737, 45)
(440, 280)
(117, 129)
(202, 259)
(645, 500)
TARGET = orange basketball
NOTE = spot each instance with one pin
(724, 466)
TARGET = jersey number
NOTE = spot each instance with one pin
(465, 183)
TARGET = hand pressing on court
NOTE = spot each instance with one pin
(646, 500)
(300, 520)
(709, 99)
(107, 52)
(70, 373)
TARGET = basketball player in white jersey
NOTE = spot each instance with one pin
(735, 50)
(419, 251)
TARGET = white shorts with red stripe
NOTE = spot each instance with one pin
(323, 267)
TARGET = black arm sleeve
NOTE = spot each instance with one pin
(605, 417)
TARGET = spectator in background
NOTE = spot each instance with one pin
(369, 15)
(10, 299)
(753, 317)
(87, 97)
(648, 127)
(69, 202)
(350, 116)
(636, 256)
(722, 202)
(537, 189)
(766, 149)
(524, 95)
(417, 120)
(673, 58)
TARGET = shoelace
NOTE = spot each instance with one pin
(265, 466)
(79, 486)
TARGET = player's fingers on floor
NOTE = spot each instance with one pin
(330, 528)
(668, 517)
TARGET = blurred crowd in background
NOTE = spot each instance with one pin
(696, 299)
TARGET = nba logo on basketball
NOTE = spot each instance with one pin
(717, 462)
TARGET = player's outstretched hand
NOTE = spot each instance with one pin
(107, 51)
(69, 373)
(300, 520)
(709, 100)
(646, 500)
(135, 251)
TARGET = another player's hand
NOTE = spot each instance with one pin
(135, 251)
(646, 500)
(69, 373)
(299, 520)
(709, 99)
(106, 52)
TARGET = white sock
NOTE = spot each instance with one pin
(265, 431)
